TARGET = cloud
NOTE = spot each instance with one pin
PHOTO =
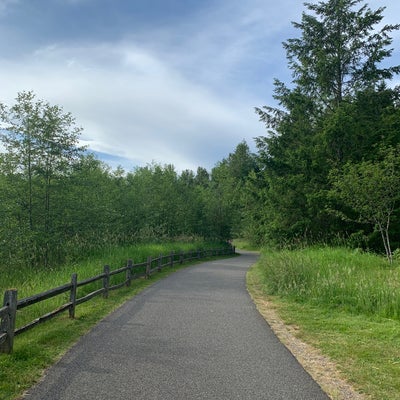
(228, 40)
(180, 93)
(132, 104)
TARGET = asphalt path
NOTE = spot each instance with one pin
(193, 335)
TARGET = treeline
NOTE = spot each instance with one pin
(59, 203)
(327, 170)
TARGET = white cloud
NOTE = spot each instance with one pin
(179, 97)
(181, 94)
(132, 104)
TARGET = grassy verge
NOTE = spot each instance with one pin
(39, 348)
(245, 245)
(346, 304)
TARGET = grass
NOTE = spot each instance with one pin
(245, 245)
(337, 278)
(40, 347)
(33, 280)
(346, 304)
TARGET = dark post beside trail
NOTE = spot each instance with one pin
(106, 280)
(129, 273)
(72, 296)
(148, 267)
(7, 316)
(159, 266)
(171, 261)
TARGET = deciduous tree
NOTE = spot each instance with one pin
(41, 143)
(371, 189)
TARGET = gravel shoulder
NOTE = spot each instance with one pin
(323, 370)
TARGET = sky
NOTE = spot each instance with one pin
(164, 81)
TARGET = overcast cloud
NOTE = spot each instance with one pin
(158, 80)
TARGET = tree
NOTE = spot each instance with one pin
(91, 212)
(202, 177)
(41, 144)
(338, 54)
(354, 131)
(331, 114)
(340, 50)
(371, 190)
(225, 200)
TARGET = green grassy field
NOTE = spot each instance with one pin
(345, 303)
(40, 347)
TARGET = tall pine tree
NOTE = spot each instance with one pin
(336, 63)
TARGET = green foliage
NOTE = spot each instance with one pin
(41, 145)
(340, 50)
(228, 202)
(357, 130)
(59, 204)
(338, 111)
(371, 189)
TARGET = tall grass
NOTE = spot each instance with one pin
(361, 283)
(29, 280)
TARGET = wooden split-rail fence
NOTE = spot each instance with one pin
(11, 304)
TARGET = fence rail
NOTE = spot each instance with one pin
(132, 271)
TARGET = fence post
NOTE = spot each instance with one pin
(171, 261)
(148, 267)
(129, 273)
(181, 255)
(72, 296)
(159, 263)
(7, 325)
(106, 280)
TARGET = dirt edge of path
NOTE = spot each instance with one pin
(323, 370)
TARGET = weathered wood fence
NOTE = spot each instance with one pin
(132, 271)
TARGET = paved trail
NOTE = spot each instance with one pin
(193, 335)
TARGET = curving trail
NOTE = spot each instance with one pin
(193, 335)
